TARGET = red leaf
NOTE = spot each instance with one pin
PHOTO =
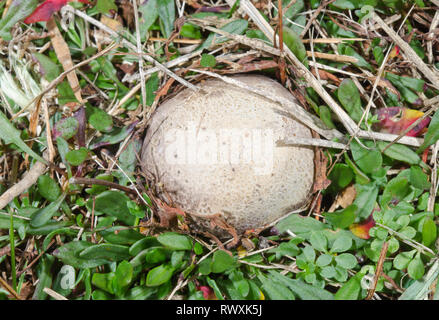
(208, 293)
(361, 230)
(45, 10)
(395, 120)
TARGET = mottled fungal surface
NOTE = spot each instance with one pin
(215, 151)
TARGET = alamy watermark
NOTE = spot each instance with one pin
(214, 147)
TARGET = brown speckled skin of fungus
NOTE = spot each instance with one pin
(238, 169)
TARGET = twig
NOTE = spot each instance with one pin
(28, 180)
(414, 124)
(139, 51)
(63, 54)
(378, 270)
(36, 259)
(405, 239)
(184, 41)
(431, 37)
(331, 56)
(58, 79)
(325, 67)
(332, 40)
(292, 108)
(314, 16)
(265, 27)
(54, 294)
(9, 289)
(408, 51)
(434, 179)
(347, 122)
(129, 45)
(296, 141)
(50, 147)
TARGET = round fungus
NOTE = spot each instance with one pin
(216, 151)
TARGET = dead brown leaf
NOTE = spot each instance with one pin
(344, 199)
(63, 54)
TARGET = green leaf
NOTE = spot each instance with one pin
(212, 283)
(240, 283)
(418, 178)
(207, 60)
(326, 116)
(303, 290)
(123, 277)
(9, 134)
(142, 244)
(341, 244)
(76, 157)
(190, 31)
(48, 188)
(99, 119)
(104, 6)
(44, 275)
(175, 241)
(395, 190)
(328, 271)
(107, 251)
(151, 86)
(324, 260)
(411, 83)
(309, 253)
(349, 97)
(420, 289)
(113, 203)
(18, 10)
(360, 176)
(48, 227)
(275, 290)
(166, 12)
(365, 199)
(63, 149)
(301, 226)
(400, 152)
(346, 260)
(341, 175)
(350, 290)
(378, 54)
(429, 232)
(48, 69)
(43, 215)
(115, 136)
(286, 248)
(368, 160)
(104, 281)
(235, 27)
(295, 44)
(342, 218)
(156, 255)
(66, 128)
(415, 268)
(349, 51)
(159, 275)
(222, 261)
(319, 241)
(150, 13)
(69, 254)
(432, 134)
(101, 295)
(140, 293)
(121, 235)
